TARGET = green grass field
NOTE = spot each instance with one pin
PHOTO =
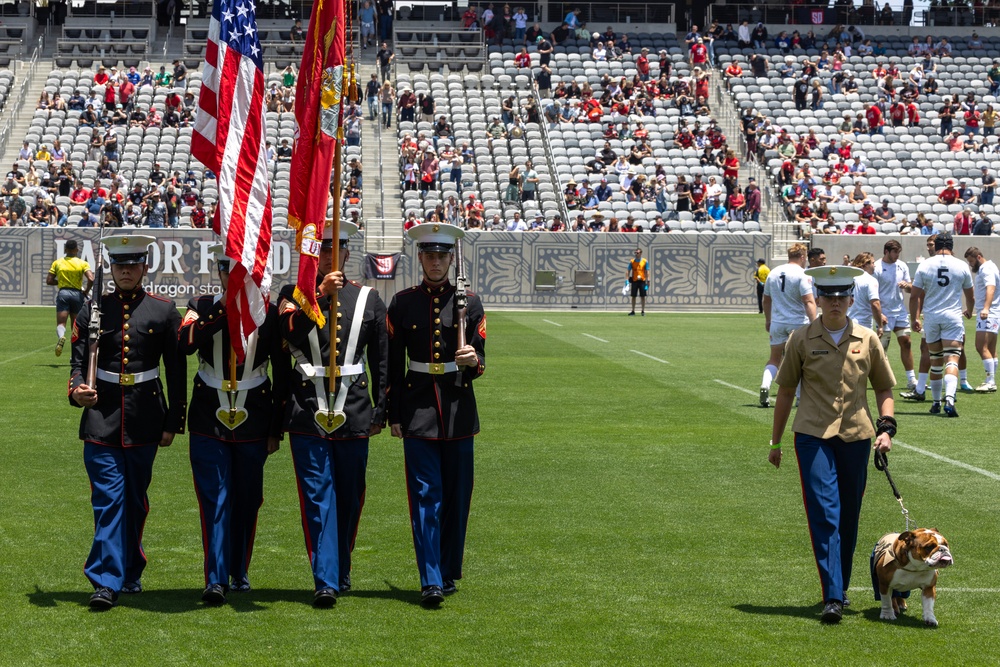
(624, 513)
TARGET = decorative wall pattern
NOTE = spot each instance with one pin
(688, 271)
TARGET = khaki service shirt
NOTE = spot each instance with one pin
(835, 379)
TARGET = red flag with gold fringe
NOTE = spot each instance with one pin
(318, 114)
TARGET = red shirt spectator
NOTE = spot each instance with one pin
(173, 101)
(913, 114)
(972, 118)
(963, 223)
(699, 53)
(642, 66)
(523, 59)
(867, 228)
(125, 92)
(701, 87)
(731, 167)
(949, 195)
(734, 70)
(198, 218)
(874, 117)
(110, 97)
(897, 112)
(101, 77)
(79, 195)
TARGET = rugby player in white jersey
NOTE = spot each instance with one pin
(867, 307)
(788, 304)
(936, 293)
(986, 286)
(893, 278)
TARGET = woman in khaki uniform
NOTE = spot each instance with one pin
(835, 360)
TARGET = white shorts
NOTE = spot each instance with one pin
(899, 321)
(780, 332)
(936, 330)
(989, 325)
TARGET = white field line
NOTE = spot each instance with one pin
(27, 354)
(649, 356)
(595, 338)
(959, 589)
(555, 324)
(937, 457)
(733, 386)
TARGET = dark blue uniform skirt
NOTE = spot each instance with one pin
(229, 483)
(119, 478)
(331, 480)
(439, 479)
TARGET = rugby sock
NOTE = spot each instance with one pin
(936, 389)
(950, 386)
(769, 373)
(993, 373)
(921, 383)
(963, 375)
(60, 330)
(911, 377)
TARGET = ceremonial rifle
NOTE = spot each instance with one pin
(461, 292)
(94, 330)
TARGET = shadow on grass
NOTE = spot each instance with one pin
(187, 600)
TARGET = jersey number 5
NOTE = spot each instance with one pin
(943, 279)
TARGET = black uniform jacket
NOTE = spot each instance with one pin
(301, 333)
(204, 325)
(422, 327)
(138, 330)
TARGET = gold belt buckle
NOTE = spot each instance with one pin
(435, 369)
(126, 379)
(228, 385)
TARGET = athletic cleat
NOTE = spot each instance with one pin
(935, 408)
(966, 387)
(949, 408)
(912, 395)
(60, 345)
(986, 388)
(764, 403)
(911, 387)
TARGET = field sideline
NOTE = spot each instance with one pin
(624, 513)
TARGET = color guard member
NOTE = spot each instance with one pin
(127, 415)
(233, 430)
(330, 463)
(432, 406)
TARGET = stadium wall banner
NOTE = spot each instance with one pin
(688, 271)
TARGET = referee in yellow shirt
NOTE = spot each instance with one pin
(638, 275)
(67, 273)
(760, 275)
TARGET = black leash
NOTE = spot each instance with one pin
(882, 463)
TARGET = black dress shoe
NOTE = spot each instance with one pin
(345, 584)
(832, 612)
(449, 587)
(847, 603)
(214, 595)
(431, 596)
(132, 587)
(103, 598)
(325, 598)
(240, 585)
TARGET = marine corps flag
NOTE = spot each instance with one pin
(317, 117)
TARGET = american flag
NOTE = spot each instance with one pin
(229, 140)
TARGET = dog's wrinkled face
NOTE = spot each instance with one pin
(927, 546)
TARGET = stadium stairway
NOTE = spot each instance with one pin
(381, 191)
(23, 119)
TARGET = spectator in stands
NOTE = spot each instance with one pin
(352, 131)
(943, 49)
(523, 59)
(969, 144)
(147, 78)
(297, 34)
(387, 96)
(199, 215)
(163, 77)
(950, 193)
(284, 152)
(983, 226)
(759, 36)
(857, 194)
(963, 222)
(153, 119)
(965, 195)
(180, 73)
(874, 118)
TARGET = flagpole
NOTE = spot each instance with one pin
(333, 371)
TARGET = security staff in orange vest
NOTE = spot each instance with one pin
(638, 276)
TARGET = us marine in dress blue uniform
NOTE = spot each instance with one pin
(231, 434)
(330, 466)
(127, 416)
(432, 406)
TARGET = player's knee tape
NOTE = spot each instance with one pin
(951, 364)
(937, 370)
(937, 362)
(951, 352)
(903, 333)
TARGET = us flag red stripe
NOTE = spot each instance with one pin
(229, 139)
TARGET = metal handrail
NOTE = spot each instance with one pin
(615, 12)
(22, 95)
(548, 163)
